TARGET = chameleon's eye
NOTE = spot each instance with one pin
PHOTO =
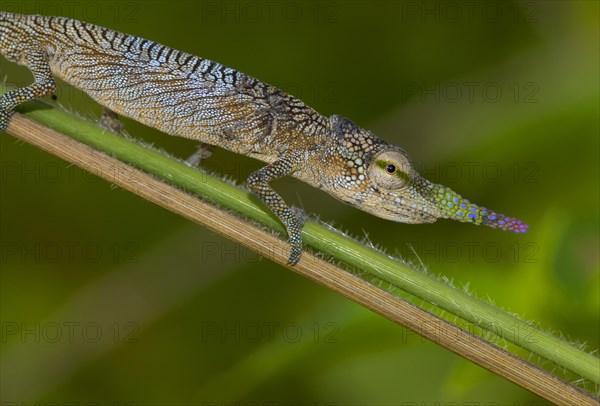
(391, 170)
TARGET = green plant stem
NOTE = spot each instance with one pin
(325, 240)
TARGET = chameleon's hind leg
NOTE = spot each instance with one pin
(110, 121)
(258, 182)
(37, 62)
(204, 151)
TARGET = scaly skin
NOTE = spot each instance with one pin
(187, 96)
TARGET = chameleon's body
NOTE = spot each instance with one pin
(192, 97)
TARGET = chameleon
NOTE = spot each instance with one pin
(188, 96)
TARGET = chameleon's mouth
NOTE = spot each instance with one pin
(453, 206)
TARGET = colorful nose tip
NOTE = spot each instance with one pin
(453, 206)
(489, 218)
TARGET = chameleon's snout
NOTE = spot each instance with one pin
(387, 185)
(453, 206)
(403, 195)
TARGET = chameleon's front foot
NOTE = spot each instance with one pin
(296, 249)
(294, 230)
(258, 182)
(5, 115)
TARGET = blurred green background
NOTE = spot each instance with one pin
(106, 298)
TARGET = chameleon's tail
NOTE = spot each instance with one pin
(455, 207)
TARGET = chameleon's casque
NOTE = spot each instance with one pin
(192, 97)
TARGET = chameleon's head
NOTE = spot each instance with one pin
(379, 178)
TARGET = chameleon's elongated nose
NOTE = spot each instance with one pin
(454, 206)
